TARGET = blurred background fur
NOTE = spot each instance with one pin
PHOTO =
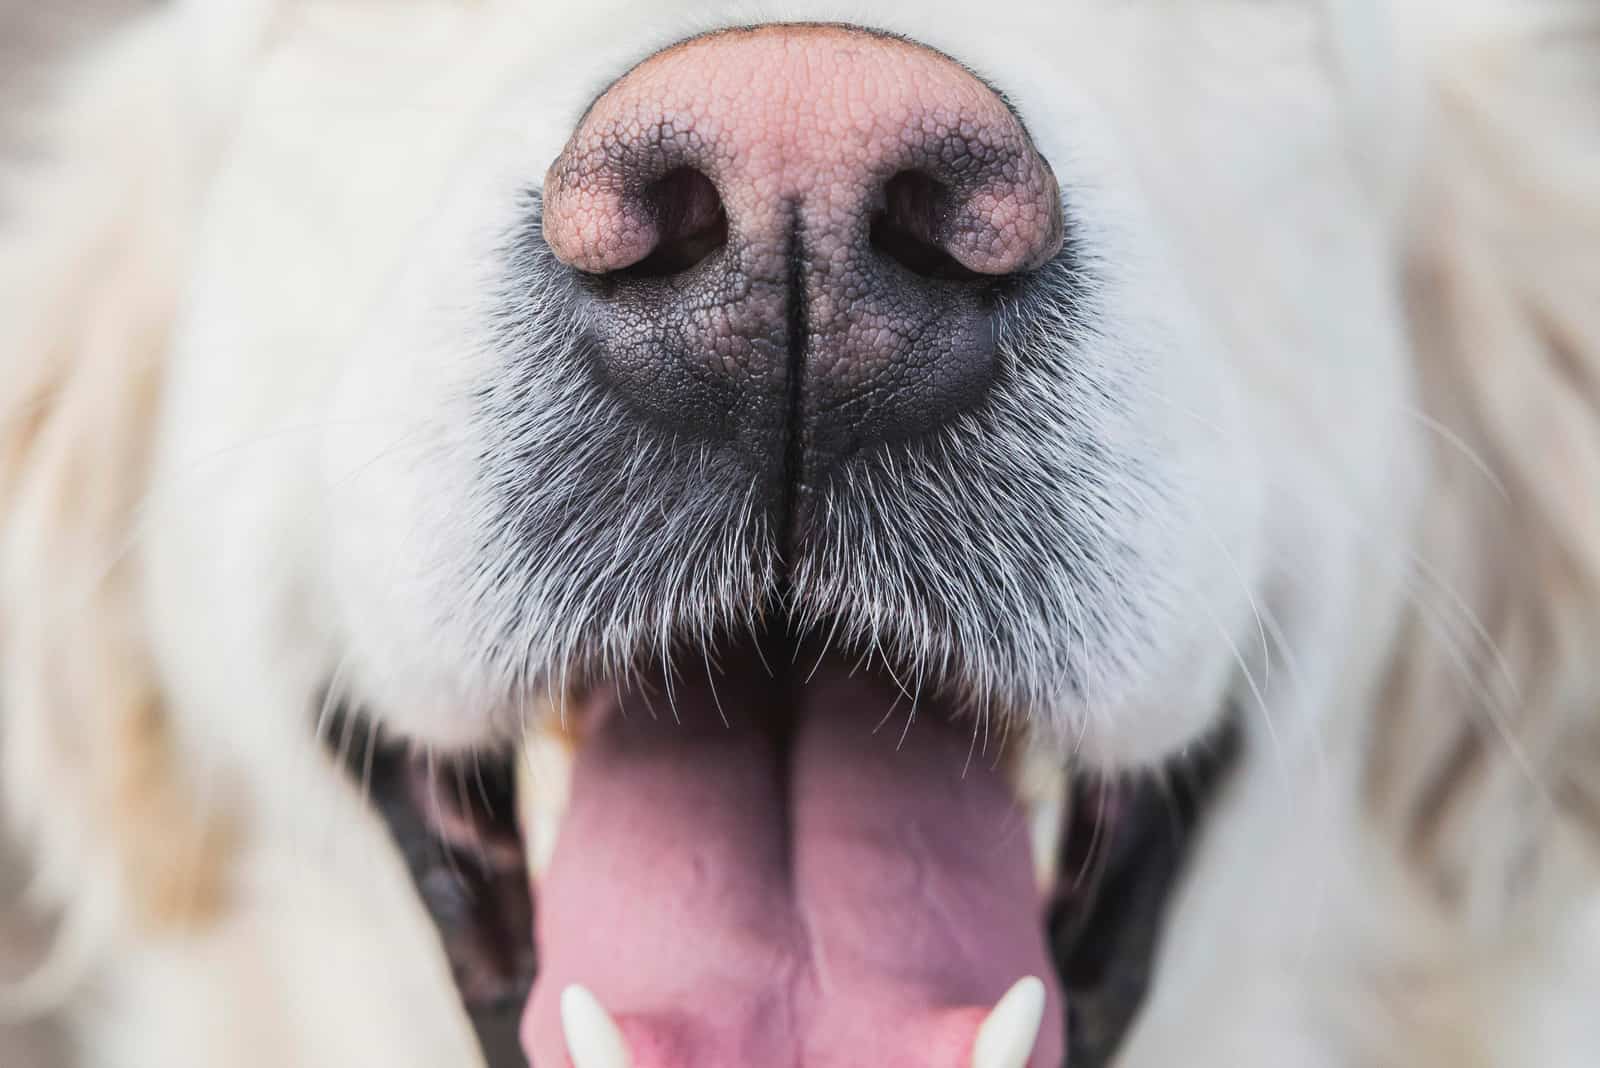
(34, 39)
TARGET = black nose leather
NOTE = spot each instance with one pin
(771, 345)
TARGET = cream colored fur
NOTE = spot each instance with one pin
(1406, 869)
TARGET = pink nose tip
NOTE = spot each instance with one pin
(800, 234)
(817, 117)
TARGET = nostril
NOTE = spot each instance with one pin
(690, 220)
(908, 228)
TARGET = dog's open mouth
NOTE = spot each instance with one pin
(779, 858)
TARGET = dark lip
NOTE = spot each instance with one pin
(1124, 850)
(475, 891)
(1115, 889)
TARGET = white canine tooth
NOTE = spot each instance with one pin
(1007, 1035)
(1039, 781)
(544, 784)
(593, 1039)
(1047, 820)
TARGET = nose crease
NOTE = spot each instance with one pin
(798, 320)
(828, 283)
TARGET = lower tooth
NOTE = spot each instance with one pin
(1007, 1035)
(593, 1038)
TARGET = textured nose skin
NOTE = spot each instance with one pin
(796, 237)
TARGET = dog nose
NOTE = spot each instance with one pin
(797, 239)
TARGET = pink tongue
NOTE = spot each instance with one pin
(829, 897)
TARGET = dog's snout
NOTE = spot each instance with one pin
(796, 237)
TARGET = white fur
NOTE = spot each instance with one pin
(315, 241)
